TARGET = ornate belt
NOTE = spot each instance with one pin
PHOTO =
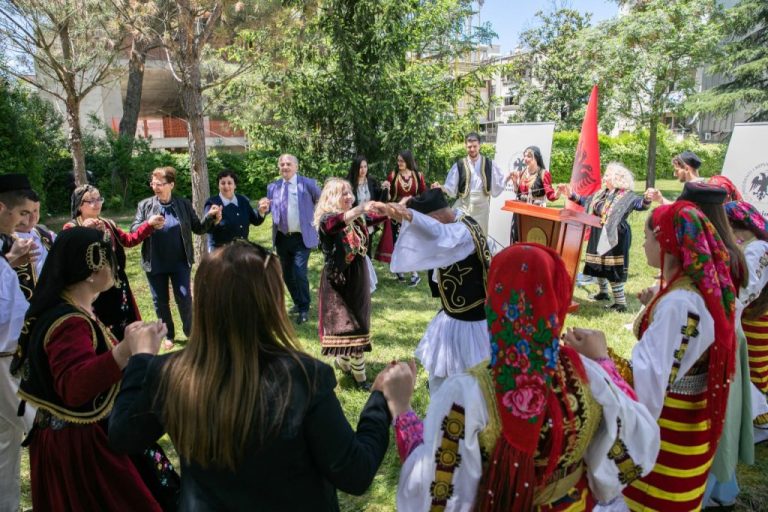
(563, 480)
(690, 385)
(44, 419)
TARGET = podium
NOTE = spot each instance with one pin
(558, 229)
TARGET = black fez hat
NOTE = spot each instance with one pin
(703, 193)
(690, 158)
(16, 181)
(429, 201)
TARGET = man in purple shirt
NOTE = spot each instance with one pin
(291, 200)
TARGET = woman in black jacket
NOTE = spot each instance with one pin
(255, 421)
(365, 188)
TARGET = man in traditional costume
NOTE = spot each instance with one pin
(453, 247)
(43, 238)
(540, 428)
(473, 180)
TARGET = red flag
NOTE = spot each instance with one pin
(585, 176)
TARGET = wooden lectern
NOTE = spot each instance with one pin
(561, 230)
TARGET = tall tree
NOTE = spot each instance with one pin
(554, 77)
(743, 60)
(649, 57)
(69, 46)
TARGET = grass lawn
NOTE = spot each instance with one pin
(400, 315)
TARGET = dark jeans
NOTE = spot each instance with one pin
(158, 286)
(294, 257)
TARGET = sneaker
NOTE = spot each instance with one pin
(601, 296)
(401, 277)
(414, 280)
(619, 308)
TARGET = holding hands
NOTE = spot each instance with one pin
(22, 251)
(215, 212)
(140, 338)
(157, 221)
(587, 342)
(648, 294)
(264, 205)
(564, 189)
(397, 381)
(653, 194)
(94, 223)
(385, 185)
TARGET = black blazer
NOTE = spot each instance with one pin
(315, 453)
(374, 187)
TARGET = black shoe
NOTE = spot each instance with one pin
(302, 318)
(363, 386)
(601, 296)
(415, 280)
(400, 277)
(294, 309)
(619, 308)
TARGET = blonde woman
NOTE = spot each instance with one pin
(608, 247)
(345, 294)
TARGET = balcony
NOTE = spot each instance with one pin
(170, 132)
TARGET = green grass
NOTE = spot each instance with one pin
(400, 315)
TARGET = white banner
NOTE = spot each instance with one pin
(511, 141)
(746, 163)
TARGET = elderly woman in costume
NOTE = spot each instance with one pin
(402, 183)
(540, 427)
(751, 231)
(116, 307)
(607, 256)
(685, 357)
(345, 283)
(267, 433)
(70, 366)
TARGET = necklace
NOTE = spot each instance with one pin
(406, 184)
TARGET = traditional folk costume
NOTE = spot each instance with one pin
(116, 307)
(30, 272)
(541, 428)
(684, 360)
(473, 183)
(533, 188)
(755, 324)
(457, 338)
(607, 256)
(69, 374)
(399, 188)
(345, 294)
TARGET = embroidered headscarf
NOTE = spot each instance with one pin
(686, 233)
(77, 199)
(743, 214)
(529, 292)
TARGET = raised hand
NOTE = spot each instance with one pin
(93, 223)
(564, 189)
(397, 382)
(264, 205)
(156, 221)
(648, 294)
(587, 342)
(385, 185)
(22, 251)
(436, 185)
(653, 194)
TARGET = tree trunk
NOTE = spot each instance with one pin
(192, 100)
(132, 102)
(650, 179)
(75, 138)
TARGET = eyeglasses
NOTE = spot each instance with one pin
(93, 202)
(157, 183)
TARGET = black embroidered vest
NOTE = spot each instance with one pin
(36, 386)
(28, 273)
(461, 286)
(465, 167)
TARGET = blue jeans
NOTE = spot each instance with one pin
(158, 286)
(294, 258)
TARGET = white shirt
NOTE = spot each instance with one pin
(756, 256)
(425, 243)
(363, 194)
(13, 307)
(476, 179)
(639, 432)
(35, 235)
(294, 222)
(227, 202)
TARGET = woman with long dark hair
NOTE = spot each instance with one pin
(70, 366)
(404, 182)
(255, 421)
(364, 188)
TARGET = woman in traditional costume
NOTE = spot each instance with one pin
(116, 307)
(685, 357)
(540, 427)
(403, 183)
(607, 256)
(345, 282)
(751, 232)
(70, 366)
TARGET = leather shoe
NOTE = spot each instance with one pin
(294, 309)
(619, 308)
(601, 296)
(302, 318)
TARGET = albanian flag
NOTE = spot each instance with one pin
(585, 176)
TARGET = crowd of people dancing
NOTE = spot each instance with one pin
(523, 413)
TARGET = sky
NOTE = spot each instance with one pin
(511, 17)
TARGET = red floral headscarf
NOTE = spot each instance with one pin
(741, 212)
(529, 292)
(685, 232)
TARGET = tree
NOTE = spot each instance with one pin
(554, 77)
(370, 77)
(650, 56)
(69, 46)
(743, 59)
